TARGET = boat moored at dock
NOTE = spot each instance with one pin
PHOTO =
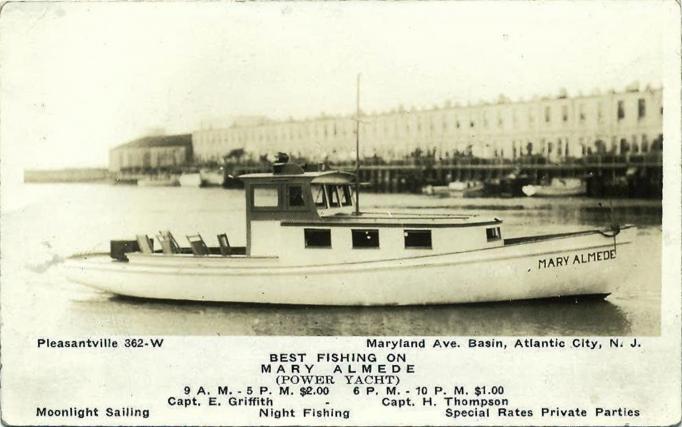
(558, 187)
(191, 179)
(306, 244)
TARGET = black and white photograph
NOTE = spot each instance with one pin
(336, 169)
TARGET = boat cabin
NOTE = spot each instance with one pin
(310, 216)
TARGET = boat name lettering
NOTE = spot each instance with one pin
(564, 260)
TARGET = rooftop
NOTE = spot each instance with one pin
(159, 141)
(325, 177)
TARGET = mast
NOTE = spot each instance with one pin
(357, 149)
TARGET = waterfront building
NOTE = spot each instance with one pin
(152, 152)
(559, 127)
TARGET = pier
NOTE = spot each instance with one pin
(638, 176)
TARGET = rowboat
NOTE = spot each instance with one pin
(307, 242)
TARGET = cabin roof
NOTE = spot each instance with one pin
(326, 177)
(397, 219)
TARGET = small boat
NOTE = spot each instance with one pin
(124, 181)
(453, 189)
(159, 181)
(307, 242)
(508, 186)
(191, 179)
(558, 187)
(212, 178)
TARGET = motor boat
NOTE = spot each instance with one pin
(307, 242)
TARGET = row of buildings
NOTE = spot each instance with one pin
(629, 121)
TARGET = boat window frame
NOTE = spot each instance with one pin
(347, 192)
(496, 234)
(276, 187)
(329, 189)
(365, 230)
(313, 187)
(417, 231)
(305, 238)
(289, 206)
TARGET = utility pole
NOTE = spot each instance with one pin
(357, 149)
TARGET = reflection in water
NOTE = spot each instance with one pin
(556, 317)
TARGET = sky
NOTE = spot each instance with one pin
(79, 78)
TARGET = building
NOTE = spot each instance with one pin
(152, 152)
(614, 122)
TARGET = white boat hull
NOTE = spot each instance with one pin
(212, 179)
(190, 180)
(585, 264)
(559, 189)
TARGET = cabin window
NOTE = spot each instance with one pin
(295, 195)
(493, 234)
(319, 197)
(365, 238)
(346, 195)
(265, 196)
(417, 239)
(317, 238)
(333, 196)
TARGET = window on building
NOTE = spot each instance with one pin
(635, 146)
(417, 239)
(295, 195)
(265, 196)
(317, 237)
(493, 234)
(581, 112)
(564, 113)
(645, 143)
(365, 238)
(641, 108)
(548, 114)
(621, 110)
(471, 124)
